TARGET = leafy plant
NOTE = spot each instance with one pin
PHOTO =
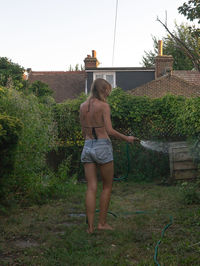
(11, 74)
(40, 89)
(64, 169)
(190, 193)
(170, 47)
(38, 136)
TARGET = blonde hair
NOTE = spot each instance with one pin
(99, 88)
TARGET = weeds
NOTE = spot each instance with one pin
(190, 192)
(50, 235)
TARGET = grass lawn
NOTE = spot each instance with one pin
(55, 233)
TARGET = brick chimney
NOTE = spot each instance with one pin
(91, 62)
(163, 63)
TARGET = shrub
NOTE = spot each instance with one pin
(38, 136)
(10, 129)
(168, 118)
(190, 193)
(66, 115)
(189, 118)
(146, 118)
(40, 89)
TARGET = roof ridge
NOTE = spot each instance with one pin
(165, 76)
(186, 81)
(56, 72)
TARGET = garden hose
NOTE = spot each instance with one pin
(158, 243)
(128, 166)
(112, 213)
(162, 233)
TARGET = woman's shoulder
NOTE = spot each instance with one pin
(94, 102)
(83, 104)
(102, 105)
(105, 105)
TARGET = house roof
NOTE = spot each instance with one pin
(169, 83)
(65, 84)
(187, 75)
(99, 69)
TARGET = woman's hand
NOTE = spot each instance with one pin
(131, 139)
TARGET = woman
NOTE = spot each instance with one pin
(96, 128)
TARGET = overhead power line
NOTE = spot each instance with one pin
(114, 33)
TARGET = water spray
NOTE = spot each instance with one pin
(154, 145)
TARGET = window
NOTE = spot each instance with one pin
(109, 76)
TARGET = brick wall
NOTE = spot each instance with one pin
(91, 62)
(163, 64)
(167, 84)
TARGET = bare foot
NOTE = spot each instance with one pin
(105, 227)
(90, 231)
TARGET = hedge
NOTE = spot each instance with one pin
(163, 119)
(169, 117)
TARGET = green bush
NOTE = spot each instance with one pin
(38, 136)
(10, 129)
(169, 117)
(190, 193)
(147, 118)
(66, 115)
(164, 119)
(40, 89)
(65, 162)
(129, 114)
(189, 118)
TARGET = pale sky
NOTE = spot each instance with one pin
(54, 34)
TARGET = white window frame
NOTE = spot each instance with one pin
(104, 73)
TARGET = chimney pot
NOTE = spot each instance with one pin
(160, 48)
(94, 54)
(91, 62)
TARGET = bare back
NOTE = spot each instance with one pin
(92, 119)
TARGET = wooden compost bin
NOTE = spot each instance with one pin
(182, 164)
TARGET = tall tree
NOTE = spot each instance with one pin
(171, 47)
(11, 74)
(191, 10)
(191, 49)
(76, 68)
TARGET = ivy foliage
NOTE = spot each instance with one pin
(169, 117)
(38, 128)
(66, 115)
(147, 118)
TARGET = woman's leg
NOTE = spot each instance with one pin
(91, 177)
(107, 173)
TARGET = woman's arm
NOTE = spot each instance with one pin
(110, 130)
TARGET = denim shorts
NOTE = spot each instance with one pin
(97, 151)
